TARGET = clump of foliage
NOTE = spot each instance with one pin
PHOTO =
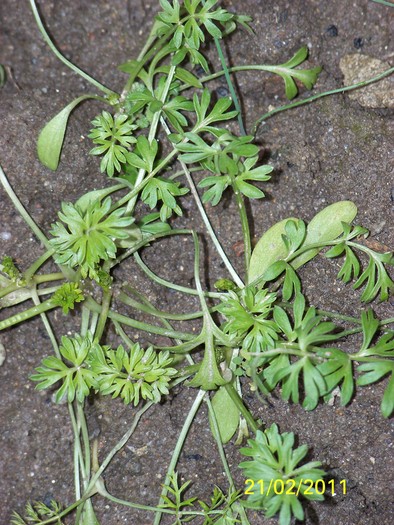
(154, 139)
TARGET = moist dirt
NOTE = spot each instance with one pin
(336, 148)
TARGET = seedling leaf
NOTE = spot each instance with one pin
(50, 140)
(226, 414)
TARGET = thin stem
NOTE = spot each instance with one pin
(326, 313)
(104, 492)
(7, 290)
(140, 185)
(384, 2)
(27, 314)
(22, 294)
(230, 86)
(95, 307)
(168, 284)
(86, 445)
(22, 211)
(105, 308)
(163, 321)
(241, 407)
(66, 511)
(152, 134)
(209, 228)
(156, 116)
(320, 95)
(46, 323)
(28, 274)
(143, 58)
(146, 242)
(84, 320)
(216, 435)
(121, 443)
(77, 452)
(206, 220)
(126, 299)
(61, 57)
(238, 195)
(177, 450)
(245, 226)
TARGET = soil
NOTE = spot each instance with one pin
(323, 152)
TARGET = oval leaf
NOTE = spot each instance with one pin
(268, 250)
(324, 227)
(50, 140)
(226, 413)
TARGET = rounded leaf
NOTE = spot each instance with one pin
(268, 250)
(324, 227)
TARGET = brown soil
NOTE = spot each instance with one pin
(331, 150)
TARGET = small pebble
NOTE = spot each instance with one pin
(332, 30)
(358, 43)
(222, 91)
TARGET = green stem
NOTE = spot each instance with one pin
(206, 220)
(245, 226)
(48, 277)
(168, 284)
(216, 435)
(61, 57)
(325, 313)
(230, 86)
(95, 307)
(104, 492)
(82, 425)
(121, 443)
(156, 116)
(177, 450)
(231, 391)
(27, 314)
(384, 2)
(48, 328)
(140, 185)
(105, 308)
(28, 274)
(85, 320)
(126, 299)
(367, 359)
(8, 289)
(144, 57)
(146, 242)
(320, 95)
(185, 348)
(209, 228)
(24, 214)
(219, 444)
(152, 134)
(22, 294)
(77, 454)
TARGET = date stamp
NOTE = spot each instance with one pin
(295, 488)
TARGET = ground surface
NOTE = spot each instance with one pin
(334, 149)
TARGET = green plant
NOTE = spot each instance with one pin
(256, 329)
